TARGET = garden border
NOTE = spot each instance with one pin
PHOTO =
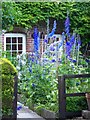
(15, 98)
(63, 114)
(14, 114)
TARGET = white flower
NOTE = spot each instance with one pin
(17, 67)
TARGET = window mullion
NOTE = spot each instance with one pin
(17, 43)
(11, 48)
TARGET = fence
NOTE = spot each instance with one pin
(63, 114)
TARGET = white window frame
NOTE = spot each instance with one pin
(55, 35)
(16, 35)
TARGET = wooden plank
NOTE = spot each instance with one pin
(59, 78)
(73, 114)
(74, 94)
(63, 114)
(77, 76)
(62, 98)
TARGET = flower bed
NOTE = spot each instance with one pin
(38, 76)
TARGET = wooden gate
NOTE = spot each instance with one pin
(63, 114)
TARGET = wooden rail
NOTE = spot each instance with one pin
(63, 114)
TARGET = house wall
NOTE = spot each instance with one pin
(29, 35)
(29, 39)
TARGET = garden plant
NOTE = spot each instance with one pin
(38, 76)
(7, 80)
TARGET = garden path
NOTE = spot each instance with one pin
(25, 112)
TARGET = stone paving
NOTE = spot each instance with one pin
(26, 113)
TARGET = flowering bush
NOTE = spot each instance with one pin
(38, 83)
(38, 76)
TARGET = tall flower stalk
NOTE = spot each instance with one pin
(78, 47)
(36, 40)
(36, 43)
(53, 30)
(67, 25)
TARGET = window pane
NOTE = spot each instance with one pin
(19, 46)
(8, 47)
(19, 39)
(14, 47)
(20, 52)
(14, 40)
(57, 39)
(8, 40)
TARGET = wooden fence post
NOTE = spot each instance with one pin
(62, 97)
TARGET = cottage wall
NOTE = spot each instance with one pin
(29, 35)
(29, 39)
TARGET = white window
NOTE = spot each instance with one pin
(14, 43)
(55, 37)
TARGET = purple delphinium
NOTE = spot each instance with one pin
(32, 59)
(53, 60)
(87, 60)
(45, 40)
(68, 48)
(69, 45)
(62, 40)
(72, 60)
(54, 37)
(52, 48)
(67, 26)
(33, 85)
(53, 30)
(33, 54)
(36, 40)
(30, 69)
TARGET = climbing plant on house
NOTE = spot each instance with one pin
(29, 14)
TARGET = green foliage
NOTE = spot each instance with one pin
(38, 86)
(7, 77)
(29, 14)
(76, 104)
(7, 55)
(10, 15)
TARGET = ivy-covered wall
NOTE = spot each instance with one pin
(31, 14)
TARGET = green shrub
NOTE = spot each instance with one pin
(8, 72)
(76, 103)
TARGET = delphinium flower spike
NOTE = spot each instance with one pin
(67, 25)
(36, 40)
(53, 30)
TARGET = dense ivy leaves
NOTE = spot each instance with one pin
(28, 14)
